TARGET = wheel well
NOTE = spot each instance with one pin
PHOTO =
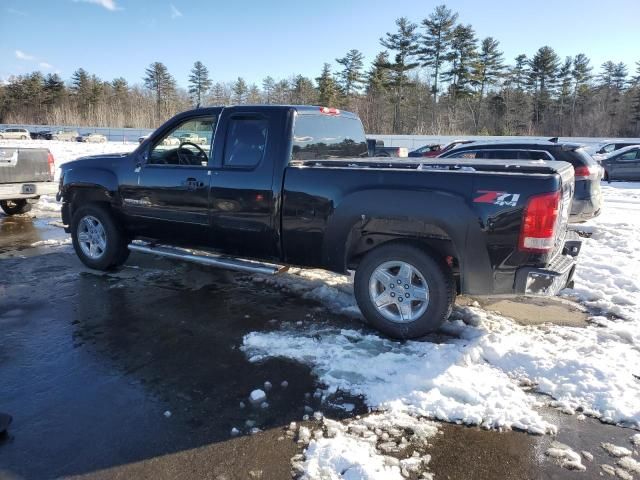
(440, 246)
(79, 196)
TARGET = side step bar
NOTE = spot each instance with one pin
(209, 259)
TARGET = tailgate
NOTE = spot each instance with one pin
(24, 165)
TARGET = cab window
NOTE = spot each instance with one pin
(188, 144)
(246, 141)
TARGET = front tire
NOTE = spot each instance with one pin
(15, 207)
(404, 291)
(98, 239)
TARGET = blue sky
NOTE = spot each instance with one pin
(254, 38)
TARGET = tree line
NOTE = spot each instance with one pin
(434, 77)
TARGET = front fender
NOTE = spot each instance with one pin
(417, 213)
(98, 179)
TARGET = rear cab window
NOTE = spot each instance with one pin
(324, 137)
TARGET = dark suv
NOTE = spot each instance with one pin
(587, 199)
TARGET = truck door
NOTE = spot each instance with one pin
(245, 183)
(172, 191)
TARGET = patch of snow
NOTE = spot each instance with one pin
(615, 450)
(257, 396)
(587, 455)
(352, 451)
(635, 439)
(167, 414)
(629, 464)
(235, 432)
(51, 242)
(566, 457)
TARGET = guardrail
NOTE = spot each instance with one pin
(123, 135)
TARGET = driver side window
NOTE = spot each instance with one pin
(189, 144)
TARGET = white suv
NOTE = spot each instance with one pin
(15, 134)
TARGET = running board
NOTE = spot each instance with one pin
(209, 259)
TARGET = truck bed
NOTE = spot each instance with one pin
(541, 167)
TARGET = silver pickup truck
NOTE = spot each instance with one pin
(25, 175)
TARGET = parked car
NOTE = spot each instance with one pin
(41, 135)
(446, 148)
(15, 134)
(25, 174)
(607, 148)
(376, 148)
(65, 135)
(426, 151)
(587, 199)
(193, 138)
(623, 164)
(93, 138)
(290, 185)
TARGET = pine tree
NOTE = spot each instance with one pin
(303, 92)
(268, 88)
(436, 42)
(53, 89)
(218, 96)
(199, 82)
(461, 57)
(378, 77)
(158, 79)
(254, 96)
(282, 92)
(328, 92)
(404, 44)
(240, 91)
(543, 76)
(487, 71)
(351, 78)
(520, 72)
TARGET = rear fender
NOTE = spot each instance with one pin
(411, 215)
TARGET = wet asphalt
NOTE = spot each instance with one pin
(138, 374)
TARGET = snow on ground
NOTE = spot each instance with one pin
(486, 371)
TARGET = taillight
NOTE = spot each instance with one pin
(329, 111)
(584, 171)
(539, 223)
(52, 164)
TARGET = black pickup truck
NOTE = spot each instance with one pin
(293, 185)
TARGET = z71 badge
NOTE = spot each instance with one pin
(502, 199)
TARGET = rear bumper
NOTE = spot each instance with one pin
(15, 191)
(551, 279)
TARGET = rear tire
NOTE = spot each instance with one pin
(403, 291)
(15, 207)
(99, 241)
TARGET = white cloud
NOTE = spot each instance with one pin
(20, 55)
(45, 65)
(108, 4)
(175, 13)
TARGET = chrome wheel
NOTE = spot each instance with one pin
(399, 291)
(92, 237)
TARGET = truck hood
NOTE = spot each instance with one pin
(102, 160)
